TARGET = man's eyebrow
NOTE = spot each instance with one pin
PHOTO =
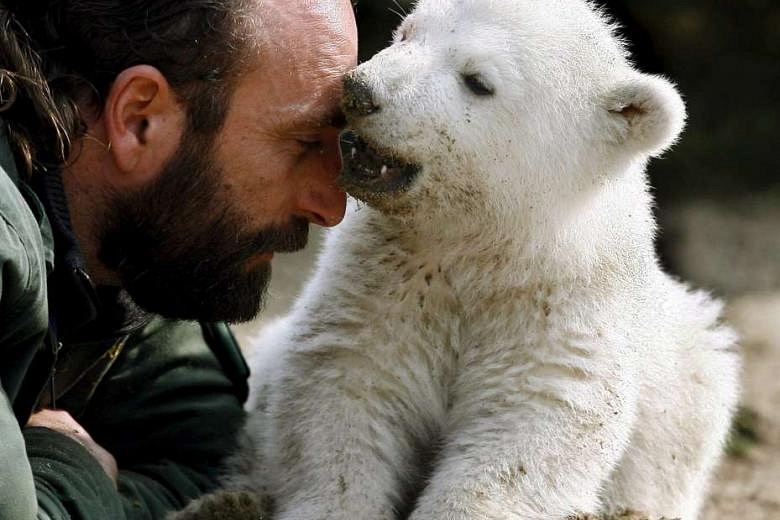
(332, 118)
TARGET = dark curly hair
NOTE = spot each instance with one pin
(59, 55)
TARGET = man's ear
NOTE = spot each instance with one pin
(144, 123)
(644, 114)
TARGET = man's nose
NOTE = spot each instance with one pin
(358, 100)
(322, 200)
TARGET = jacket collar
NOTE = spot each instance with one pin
(80, 310)
(76, 307)
(73, 299)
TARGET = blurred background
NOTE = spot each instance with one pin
(718, 199)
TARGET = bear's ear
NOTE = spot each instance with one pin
(645, 114)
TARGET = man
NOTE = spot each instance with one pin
(154, 155)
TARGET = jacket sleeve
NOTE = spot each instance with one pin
(169, 415)
(69, 482)
(17, 490)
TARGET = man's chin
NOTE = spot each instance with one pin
(236, 301)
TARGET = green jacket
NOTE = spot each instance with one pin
(164, 397)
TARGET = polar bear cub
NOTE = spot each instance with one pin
(491, 336)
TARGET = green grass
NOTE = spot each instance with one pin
(744, 434)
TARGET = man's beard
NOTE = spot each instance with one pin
(181, 250)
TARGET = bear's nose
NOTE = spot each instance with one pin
(358, 98)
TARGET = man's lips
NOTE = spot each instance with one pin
(368, 170)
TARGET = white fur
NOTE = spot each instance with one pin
(506, 315)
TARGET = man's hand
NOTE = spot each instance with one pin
(62, 422)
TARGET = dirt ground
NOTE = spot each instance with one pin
(747, 485)
(734, 249)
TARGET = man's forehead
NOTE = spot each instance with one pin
(309, 36)
(308, 47)
(285, 17)
(333, 12)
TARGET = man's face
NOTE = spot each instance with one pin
(197, 242)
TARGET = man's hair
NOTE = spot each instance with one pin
(59, 55)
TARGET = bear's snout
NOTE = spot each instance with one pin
(358, 98)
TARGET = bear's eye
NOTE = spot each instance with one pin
(477, 84)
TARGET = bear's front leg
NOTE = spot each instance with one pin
(344, 432)
(535, 442)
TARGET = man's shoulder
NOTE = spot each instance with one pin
(24, 262)
(25, 257)
(25, 247)
(22, 219)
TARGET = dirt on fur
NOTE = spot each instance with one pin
(625, 515)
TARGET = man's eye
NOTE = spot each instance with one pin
(313, 144)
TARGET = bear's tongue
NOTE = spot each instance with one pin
(369, 171)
